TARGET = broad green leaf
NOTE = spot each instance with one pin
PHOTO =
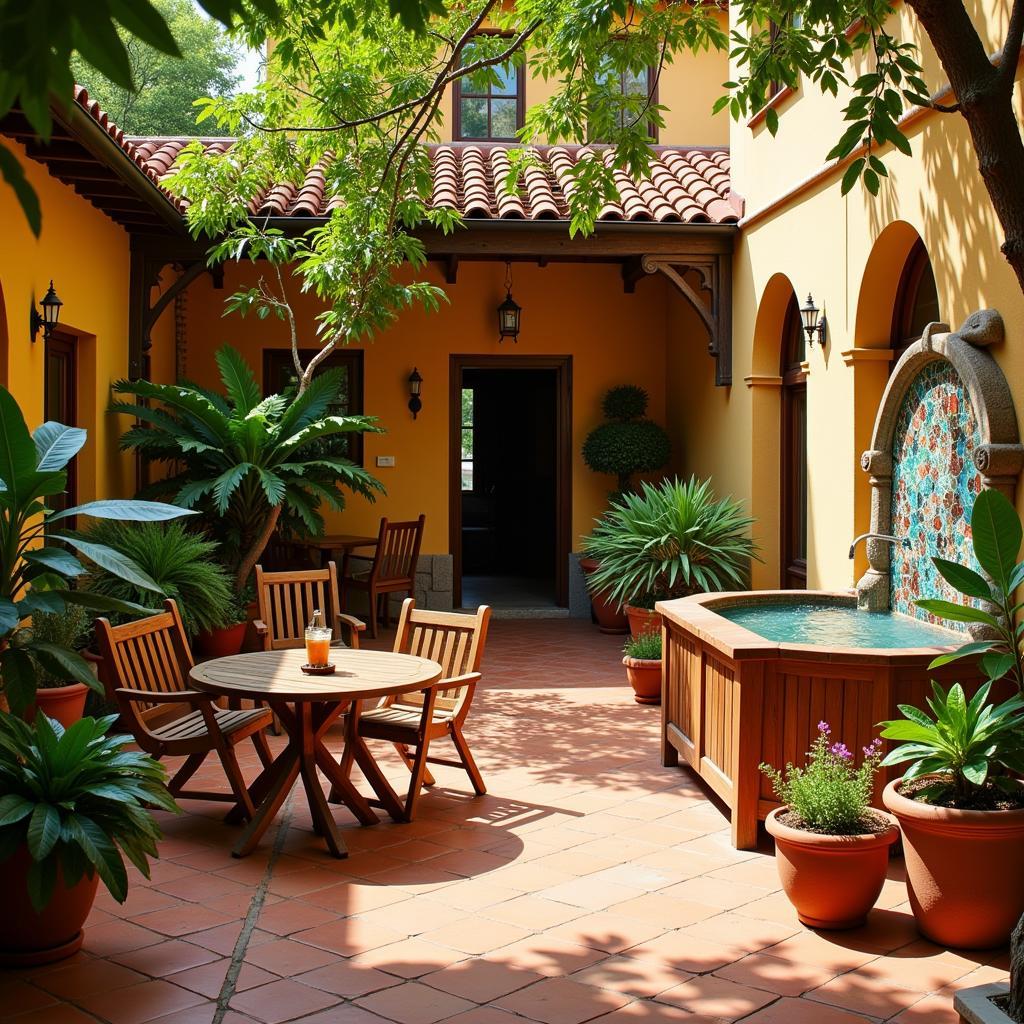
(43, 831)
(60, 661)
(125, 509)
(14, 174)
(57, 559)
(113, 561)
(56, 445)
(964, 579)
(957, 612)
(17, 450)
(238, 379)
(996, 534)
(19, 678)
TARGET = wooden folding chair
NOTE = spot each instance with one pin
(392, 570)
(411, 720)
(145, 673)
(287, 601)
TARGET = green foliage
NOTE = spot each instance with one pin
(646, 646)
(166, 87)
(78, 799)
(70, 629)
(996, 535)
(829, 794)
(184, 565)
(627, 444)
(243, 460)
(670, 540)
(966, 745)
(36, 558)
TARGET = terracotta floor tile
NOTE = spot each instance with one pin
(201, 1013)
(480, 980)
(475, 894)
(476, 935)
(414, 1003)
(166, 958)
(349, 937)
(118, 937)
(286, 957)
(561, 1001)
(922, 966)
(84, 979)
(60, 1013)
(929, 1010)
(547, 954)
(640, 978)
(685, 952)
(293, 916)
(182, 920)
(648, 1012)
(591, 894)
(785, 978)
(139, 1003)
(822, 949)
(533, 912)
(414, 915)
(531, 877)
(608, 931)
(805, 1011)
(347, 979)
(17, 996)
(208, 980)
(342, 1014)
(716, 892)
(484, 1015)
(747, 934)
(282, 1000)
(668, 911)
(303, 882)
(716, 997)
(354, 898)
(861, 992)
(409, 958)
(200, 888)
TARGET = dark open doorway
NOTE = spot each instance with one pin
(510, 486)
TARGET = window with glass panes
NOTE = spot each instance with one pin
(489, 109)
(633, 83)
(467, 439)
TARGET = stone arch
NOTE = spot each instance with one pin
(880, 283)
(765, 384)
(997, 454)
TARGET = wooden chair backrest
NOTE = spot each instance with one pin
(398, 550)
(149, 654)
(287, 601)
(454, 639)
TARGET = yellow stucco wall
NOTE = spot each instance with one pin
(568, 309)
(86, 255)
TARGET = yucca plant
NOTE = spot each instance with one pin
(183, 564)
(243, 460)
(670, 540)
(37, 563)
(78, 800)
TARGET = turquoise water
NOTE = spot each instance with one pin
(836, 626)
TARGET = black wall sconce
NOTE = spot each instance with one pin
(509, 311)
(415, 403)
(49, 317)
(814, 326)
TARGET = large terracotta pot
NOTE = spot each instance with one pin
(28, 939)
(644, 675)
(965, 870)
(66, 704)
(833, 881)
(610, 619)
(222, 643)
(642, 620)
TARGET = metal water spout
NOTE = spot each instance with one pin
(904, 542)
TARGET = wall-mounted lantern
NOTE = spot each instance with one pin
(415, 403)
(509, 311)
(814, 326)
(47, 320)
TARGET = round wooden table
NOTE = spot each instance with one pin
(306, 706)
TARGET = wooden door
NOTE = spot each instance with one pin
(60, 403)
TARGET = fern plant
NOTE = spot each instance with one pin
(244, 460)
(183, 564)
(672, 539)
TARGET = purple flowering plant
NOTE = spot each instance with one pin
(831, 794)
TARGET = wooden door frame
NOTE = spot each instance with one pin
(68, 343)
(562, 365)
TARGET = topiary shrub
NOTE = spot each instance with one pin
(627, 444)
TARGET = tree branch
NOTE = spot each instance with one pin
(1011, 48)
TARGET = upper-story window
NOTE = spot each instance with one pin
(489, 108)
(638, 89)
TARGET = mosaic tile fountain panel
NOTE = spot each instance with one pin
(934, 483)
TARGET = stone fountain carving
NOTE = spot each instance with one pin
(945, 428)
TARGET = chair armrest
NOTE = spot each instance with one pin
(469, 679)
(352, 626)
(177, 697)
(260, 626)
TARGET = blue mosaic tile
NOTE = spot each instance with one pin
(934, 483)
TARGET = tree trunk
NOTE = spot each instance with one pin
(252, 556)
(985, 95)
(1016, 1007)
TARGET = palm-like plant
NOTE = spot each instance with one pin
(36, 565)
(672, 539)
(245, 460)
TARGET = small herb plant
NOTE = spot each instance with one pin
(967, 747)
(829, 795)
(70, 629)
(645, 647)
(78, 799)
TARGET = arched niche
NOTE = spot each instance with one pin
(880, 284)
(946, 428)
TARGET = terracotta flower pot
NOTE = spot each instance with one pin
(642, 620)
(965, 870)
(64, 703)
(833, 881)
(222, 643)
(644, 675)
(610, 619)
(28, 939)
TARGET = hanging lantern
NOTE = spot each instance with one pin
(509, 311)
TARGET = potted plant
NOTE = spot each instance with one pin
(624, 445)
(229, 637)
(643, 667)
(58, 695)
(961, 810)
(37, 559)
(670, 540)
(247, 462)
(74, 805)
(831, 846)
